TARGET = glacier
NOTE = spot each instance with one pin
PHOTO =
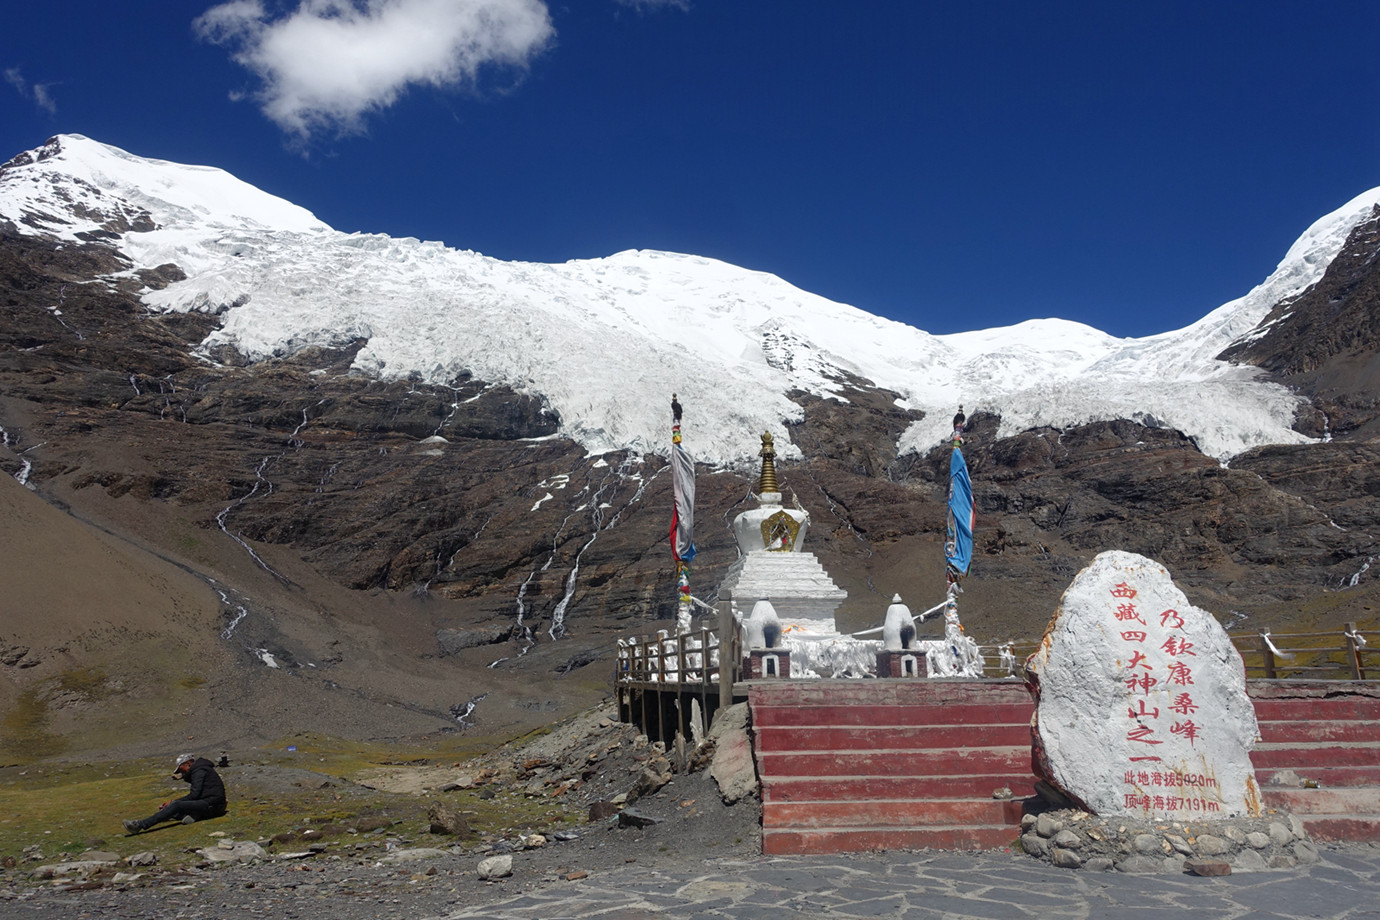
(604, 342)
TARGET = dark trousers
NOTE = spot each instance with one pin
(181, 808)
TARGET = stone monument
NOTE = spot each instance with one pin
(1141, 705)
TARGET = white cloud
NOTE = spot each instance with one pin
(329, 63)
(38, 92)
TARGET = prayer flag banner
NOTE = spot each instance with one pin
(683, 514)
(958, 543)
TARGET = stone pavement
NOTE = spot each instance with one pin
(934, 885)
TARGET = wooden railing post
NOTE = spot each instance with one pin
(726, 663)
(1269, 657)
(1354, 652)
(704, 672)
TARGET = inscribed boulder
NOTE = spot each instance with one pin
(1141, 705)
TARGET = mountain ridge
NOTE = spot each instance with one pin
(677, 322)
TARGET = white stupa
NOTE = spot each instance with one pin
(773, 564)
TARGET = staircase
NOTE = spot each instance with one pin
(906, 764)
(1327, 732)
(890, 764)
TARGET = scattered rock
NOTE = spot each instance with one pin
(1148, 844)
(1065, 859)
(648, 782)
(1140, 865)
(229, 851)
(413, 854)
(1305, 853)
(576, 875)
(496, 867)
(598, 811)
(1034, 844)
(631, 817)
(733, 766)
(1208, 868)
(442, 819)
(1142, 846)
(1066, 839)
(1212, 845)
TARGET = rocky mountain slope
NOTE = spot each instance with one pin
(305, 545)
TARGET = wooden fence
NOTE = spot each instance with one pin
(1312, 656)
(693, 658)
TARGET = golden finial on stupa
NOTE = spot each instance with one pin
(767, 482)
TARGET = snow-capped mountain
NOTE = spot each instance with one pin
(603, 342)
(389, 513)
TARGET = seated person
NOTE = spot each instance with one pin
(205, 800)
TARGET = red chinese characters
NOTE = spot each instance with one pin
(1158, 677)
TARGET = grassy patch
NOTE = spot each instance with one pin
(25, 730)
(24, 735)
(67, 807)
(90, 683)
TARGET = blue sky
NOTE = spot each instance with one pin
(954, 165)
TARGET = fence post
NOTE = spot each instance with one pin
(1354, 649)
(618, 683)
(704, 672)
(1269, 658)
(726, 662)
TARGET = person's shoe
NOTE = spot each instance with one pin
(189, 820)
(133, 827)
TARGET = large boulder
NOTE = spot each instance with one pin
(1141, 705)
(733, 767)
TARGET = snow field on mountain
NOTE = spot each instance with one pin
(606, 341)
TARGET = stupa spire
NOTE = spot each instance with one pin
(767, 481)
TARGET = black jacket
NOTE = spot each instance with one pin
(206, 784)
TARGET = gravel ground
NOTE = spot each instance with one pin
(384, 875)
